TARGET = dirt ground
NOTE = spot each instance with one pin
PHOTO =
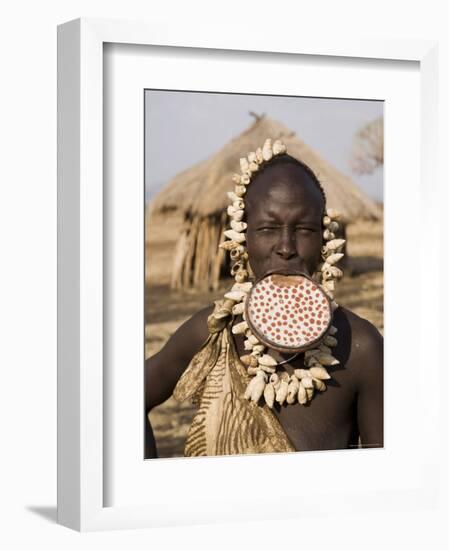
(360, 290)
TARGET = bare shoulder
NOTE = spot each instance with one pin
(193, 332)
(189, 336)
(364, 346)
(364, 333)
(163, 369)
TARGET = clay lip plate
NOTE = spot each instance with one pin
(284, 278)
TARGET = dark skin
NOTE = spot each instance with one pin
(284, 209)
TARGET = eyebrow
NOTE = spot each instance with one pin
(269, 216)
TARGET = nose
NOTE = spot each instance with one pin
(286, 246)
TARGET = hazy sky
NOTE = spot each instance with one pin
(183, 128)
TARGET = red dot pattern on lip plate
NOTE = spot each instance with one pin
(281, 301)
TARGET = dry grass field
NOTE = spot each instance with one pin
(360, 290)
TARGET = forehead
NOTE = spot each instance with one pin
(284, 191)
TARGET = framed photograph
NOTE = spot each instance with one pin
(211, 194)
(192, 262)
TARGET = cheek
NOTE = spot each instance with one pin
(259, 244)
(310, 249)
(315, 255)
(310, 246)
(307, 244)
(259, 251)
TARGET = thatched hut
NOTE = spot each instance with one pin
(198, 194)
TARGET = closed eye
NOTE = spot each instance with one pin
(306, 229)
(267, 228)
(301, 228)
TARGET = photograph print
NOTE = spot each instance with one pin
(263, 274)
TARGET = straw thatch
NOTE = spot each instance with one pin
(199, 194)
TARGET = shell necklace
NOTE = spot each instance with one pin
(266, 382)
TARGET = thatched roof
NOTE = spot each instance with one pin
(201, 189)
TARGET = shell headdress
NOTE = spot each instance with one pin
(266, 382)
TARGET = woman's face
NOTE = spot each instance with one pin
(284, 211)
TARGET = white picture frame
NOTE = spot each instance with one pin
(82, 393)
